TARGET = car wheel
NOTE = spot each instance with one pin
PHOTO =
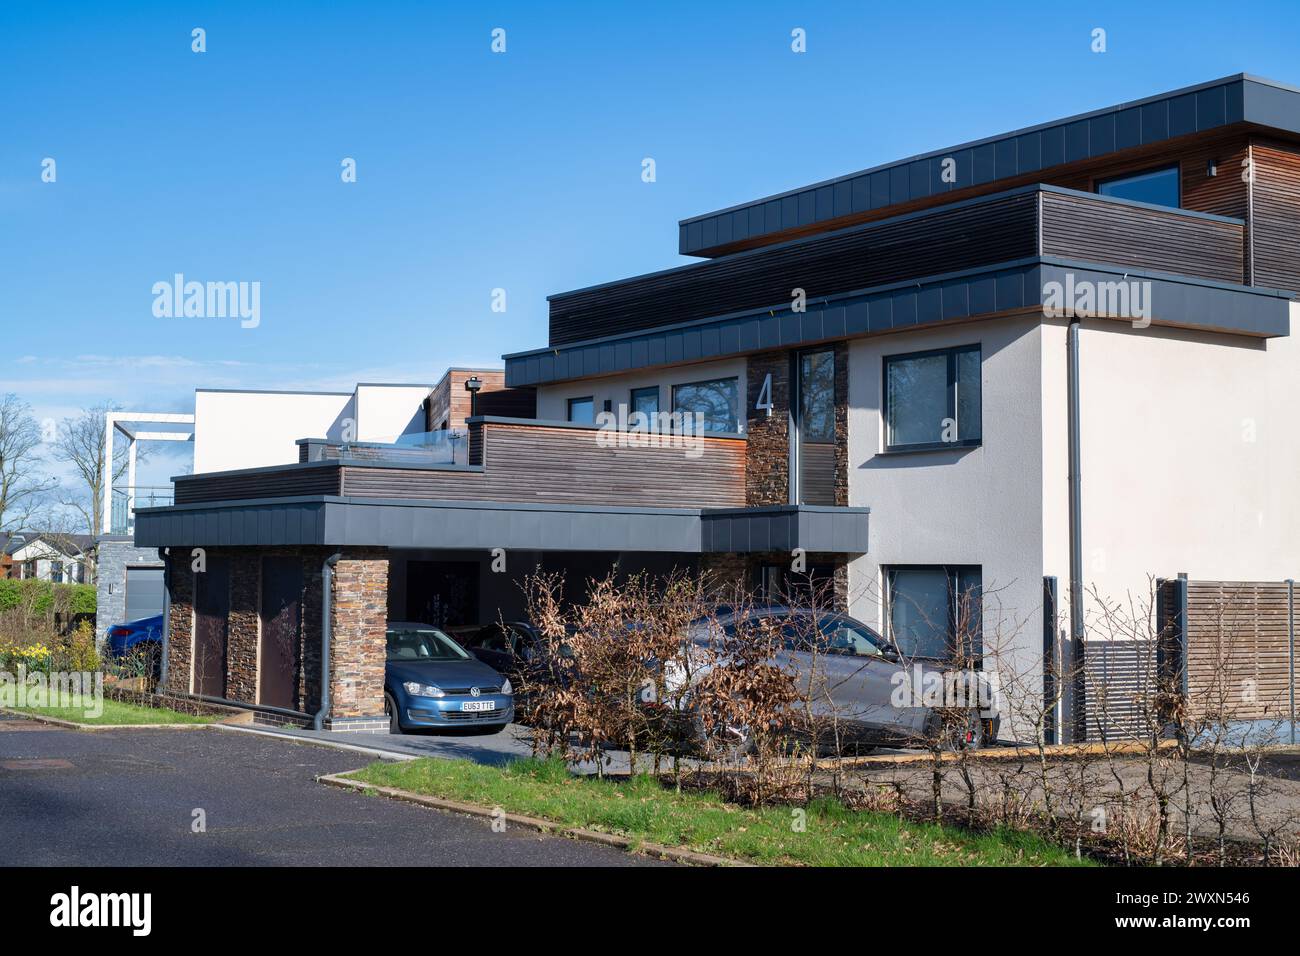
(390, 708)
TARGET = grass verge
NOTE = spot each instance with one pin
(114, 713)
(642, 809)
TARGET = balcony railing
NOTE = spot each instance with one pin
(1004, 227)
(444, 447)
(126, 501)
(514, 460)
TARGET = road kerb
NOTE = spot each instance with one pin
(670, 853)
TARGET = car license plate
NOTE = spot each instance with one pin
(473, 705)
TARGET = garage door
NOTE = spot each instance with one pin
(144, 592)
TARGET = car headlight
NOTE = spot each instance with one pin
(423, 690)
(506, 688)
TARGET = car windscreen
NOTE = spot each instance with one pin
(424, 644)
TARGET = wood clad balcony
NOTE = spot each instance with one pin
(512, 460)
(1033, 221)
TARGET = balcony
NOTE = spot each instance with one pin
(521, 461)
(1029, 222)
(126, 501)
(529, 485)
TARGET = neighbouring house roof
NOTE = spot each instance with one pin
(69, 545)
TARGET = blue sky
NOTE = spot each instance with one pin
(475, 170)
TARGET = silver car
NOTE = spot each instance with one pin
(856, 681)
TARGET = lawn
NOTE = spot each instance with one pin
(832, 835)
(115, 712)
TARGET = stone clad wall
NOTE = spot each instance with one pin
(359, 617)
(112, 558)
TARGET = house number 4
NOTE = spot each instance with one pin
(764, 403)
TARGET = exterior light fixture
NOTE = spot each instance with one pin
(472, 385)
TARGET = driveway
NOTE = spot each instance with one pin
(128, 798)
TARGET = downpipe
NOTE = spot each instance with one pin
(1079, 709)
(327, 588)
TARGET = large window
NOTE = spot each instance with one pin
(932, 399)
(716, 402)
(1159, 186)
(582, 410)
(934, 612)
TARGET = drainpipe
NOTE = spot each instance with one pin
(166, 617)
(1076, 542)
(327, 586)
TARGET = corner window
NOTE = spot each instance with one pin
(715, 402)
(934, 611)
(582, 410)
(1159, 186)
(933, 399)
(646, 400)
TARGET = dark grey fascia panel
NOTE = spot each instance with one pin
(784, 528)
(955, 297)
(1195, 109)
(1189, 303)
(390, 523)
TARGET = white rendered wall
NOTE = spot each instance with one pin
(385, 412)
(254, 429)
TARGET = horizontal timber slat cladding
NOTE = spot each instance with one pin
(1238, 649)
(994, 229)
(556, 465)
(1079, 228)
(944, 240)
(1276, 223)
(314, 479)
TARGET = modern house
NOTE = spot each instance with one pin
(1051, 363)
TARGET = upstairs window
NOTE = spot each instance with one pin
(933, 399)
(715, 402)
(646, 400)
(582, 410)
(1159, 186)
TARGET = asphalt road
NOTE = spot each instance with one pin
(127, 798)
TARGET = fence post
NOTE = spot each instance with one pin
(1290, 635)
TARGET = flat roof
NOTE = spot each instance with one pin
(1240, 98)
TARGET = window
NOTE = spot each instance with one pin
(935, 611)
(1159, 186)
(582, 410)
(715, 402)
(817, 396)
(646, 401)
(932, 399)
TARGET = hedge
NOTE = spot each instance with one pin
(40, 596)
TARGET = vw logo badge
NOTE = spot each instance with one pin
(473, 692)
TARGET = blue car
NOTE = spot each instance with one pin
(142, 637)
(431, 681)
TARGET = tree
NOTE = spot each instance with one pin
(22, 485)
(80, 443)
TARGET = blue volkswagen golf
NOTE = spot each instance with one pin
(431, 681)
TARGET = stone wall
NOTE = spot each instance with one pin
(180, 623)
(112, 559)
(358, 620)
(767, 450)
(359, 616)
